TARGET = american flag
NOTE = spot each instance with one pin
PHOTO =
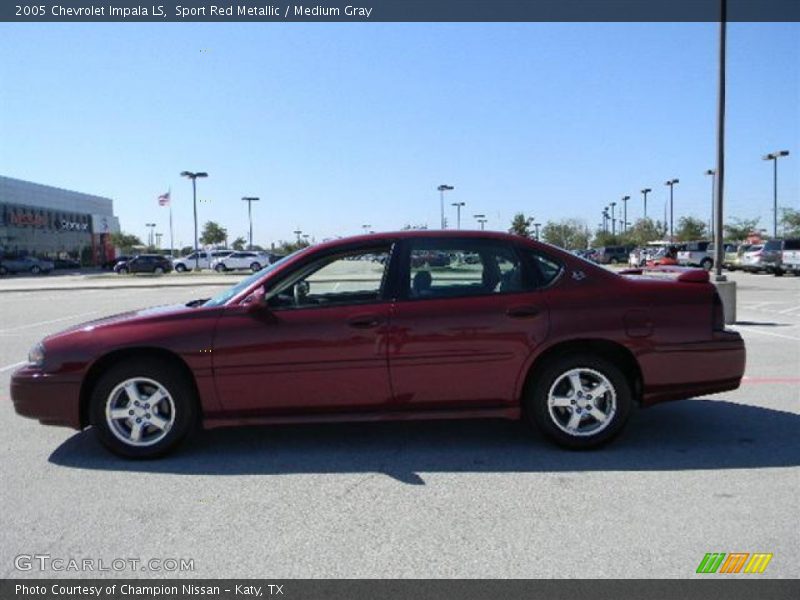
(163, 199)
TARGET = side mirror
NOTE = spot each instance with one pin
(257, 301)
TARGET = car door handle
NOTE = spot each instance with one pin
(523, 312)
(364, 321)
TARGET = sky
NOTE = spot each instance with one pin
(336, 126)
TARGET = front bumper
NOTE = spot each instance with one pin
(688, 370)
(51, 399)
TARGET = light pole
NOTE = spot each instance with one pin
(250, 200)
(774, 156)
(158, 240)
(645, 191)
(625, 213)
(151, 226)
(481, 219)
(536, 227)
(458, 206)
(193, 177)
(442, 189)
(712, 173)
(613, 220)
(718, 199)
(671, 183)
(298, 233)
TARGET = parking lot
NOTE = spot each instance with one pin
(438, 499)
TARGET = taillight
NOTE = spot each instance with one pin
(718, 314)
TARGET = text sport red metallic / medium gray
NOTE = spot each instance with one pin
(393, 326)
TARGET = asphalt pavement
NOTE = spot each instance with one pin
(438, 499)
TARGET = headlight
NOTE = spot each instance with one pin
(36, 355)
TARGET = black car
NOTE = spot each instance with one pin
(612, 255)
(144, 263)
(66, 263)
(110, 264)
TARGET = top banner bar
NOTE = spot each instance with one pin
(399, 11)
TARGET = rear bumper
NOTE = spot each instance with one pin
(51, 399)
(679, 371)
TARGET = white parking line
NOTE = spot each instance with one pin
(14, 366)
(745, 329)
(30, 325)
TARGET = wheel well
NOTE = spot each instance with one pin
(613, 351)
(108, 360)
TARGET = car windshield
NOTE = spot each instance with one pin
(223, 297)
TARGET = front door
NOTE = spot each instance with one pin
(321, 346)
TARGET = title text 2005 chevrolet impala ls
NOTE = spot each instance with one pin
(373, 328)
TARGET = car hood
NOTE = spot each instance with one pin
(145, 314)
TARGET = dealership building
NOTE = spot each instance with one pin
(45, 221)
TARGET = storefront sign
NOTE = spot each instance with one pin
(21, 219)
(73, 226)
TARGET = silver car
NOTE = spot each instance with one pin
(25, 264)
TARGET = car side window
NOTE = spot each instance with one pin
(454, 268)
(545, 268)
(351, 278)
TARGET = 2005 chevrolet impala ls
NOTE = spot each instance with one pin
(393, 326)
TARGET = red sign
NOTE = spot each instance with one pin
(26, 219)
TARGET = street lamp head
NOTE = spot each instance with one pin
(775, 155)
(671, 182)
(711, 172)
(458, 204)
(251, 198)
(626, 198)
(191, 175)
(646, 190)
(479, 216)
(613, 204)
(445, 188)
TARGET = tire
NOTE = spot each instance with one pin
(220, 268)
(176, 411)
(3, 271)
(35, 270)
(553, 381)
(158, 270)
(613, 261)
(181, 268)
(122, 271)
(255, 267)
(706, 264)
(778, 272)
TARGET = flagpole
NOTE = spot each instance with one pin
(171, 236)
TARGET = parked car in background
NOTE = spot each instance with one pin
(789, 257)
(771, 255)
(697, 254)
(66, 264)
(202, 260)
(750, 260)
(110, 264)
(237, 261)
(663, 257)
(611, 255)
(25, 264)
(144, 263)
(733, 256)
(530, 333)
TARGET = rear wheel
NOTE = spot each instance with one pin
(3, 271)
(142, 409)
(122, 270)
(579, 401)
(255, 267)
(220, 268)
(158, 270)
(778, 272)
(35, 269)
(180, 268)
(613, 261)
(706, 264)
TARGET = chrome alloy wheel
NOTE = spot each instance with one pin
(582, 402)
(140, 412)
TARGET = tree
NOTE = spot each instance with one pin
(605, 238)
(690, 228)
(790, 221)
(521, 225)
(238, 243)
(125, 241)
(740, 229)
(411, 226)
(284, 247)
(186, 250)
(570, 234)
(644, 231)
(213, 234)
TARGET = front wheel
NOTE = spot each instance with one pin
(255, 267)
(158, 270)
(778, 272)
(142, 409)
(579, 401)
(180, 268)
(706, 264)
(35, 270)
(220, 268)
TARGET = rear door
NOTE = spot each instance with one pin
(461, 333)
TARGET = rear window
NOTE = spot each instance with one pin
(791, 245)
(772, 245)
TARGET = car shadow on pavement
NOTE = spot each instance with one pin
(694, 434)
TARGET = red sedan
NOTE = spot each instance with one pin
(361, 329)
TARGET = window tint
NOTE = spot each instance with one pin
(352, 278)
(772, 245)
(454, 268)
(791, 245)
